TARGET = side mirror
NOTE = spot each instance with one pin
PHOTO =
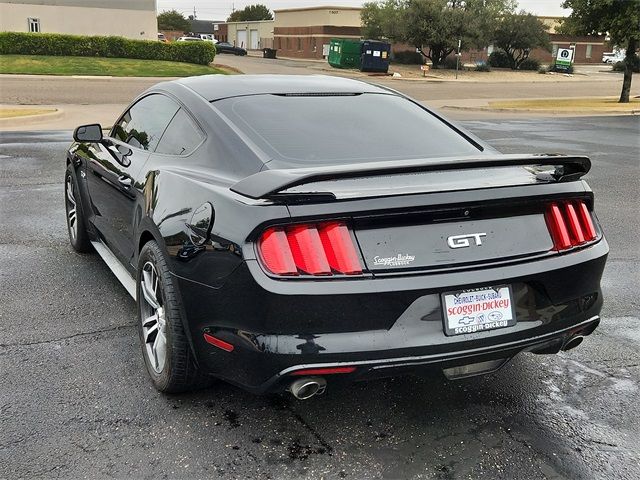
(88, 133)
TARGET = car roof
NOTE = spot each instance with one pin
(217, 87)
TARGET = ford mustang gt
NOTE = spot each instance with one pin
(282, 233)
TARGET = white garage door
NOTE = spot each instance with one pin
(255, 40)
(241, 39)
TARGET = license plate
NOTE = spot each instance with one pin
(470, 311)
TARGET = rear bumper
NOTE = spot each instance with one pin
(384, 326)
(369, 369)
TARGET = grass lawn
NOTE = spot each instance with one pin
(571, 104)
(117, 67)
(22, 112)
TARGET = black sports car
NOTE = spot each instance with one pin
(280, 231)
(225, 47)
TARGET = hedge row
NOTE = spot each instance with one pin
(16, 43)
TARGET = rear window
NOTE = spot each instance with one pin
(315, 130)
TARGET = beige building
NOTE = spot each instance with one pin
(307, 32)
(251, 35)
(135, 19)
(551, 24)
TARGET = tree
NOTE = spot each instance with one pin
(519, 33)
(173, 20)
(620, 19)
(434, 27)
(381, 20)
(251, 13)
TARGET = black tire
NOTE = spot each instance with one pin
(76, 223)
(179, 372)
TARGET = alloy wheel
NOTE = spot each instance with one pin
(153, 318)
(72, 210)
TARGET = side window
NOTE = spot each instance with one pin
(181, 137)
(34, 25)
(143, 124)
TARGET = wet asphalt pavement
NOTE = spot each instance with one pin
(75, 401)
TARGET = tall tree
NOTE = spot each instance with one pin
(251, 13)
(173, 20)
(381, 19)
(519, 33)
(434, 27)
(620, 19)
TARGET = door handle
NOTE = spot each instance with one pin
(125, 181)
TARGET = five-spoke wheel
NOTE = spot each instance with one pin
(78, 236)
(167, 353)
(72, 209)
(153, 318)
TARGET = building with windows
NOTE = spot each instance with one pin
(135, 19)
(307, 32)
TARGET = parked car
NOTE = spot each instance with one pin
(208, 37)
(162, 38)
(226, 47)
(283, 232)
(189, 39)
(612, 57)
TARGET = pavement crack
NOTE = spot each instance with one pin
(599, 442)
(67, 337)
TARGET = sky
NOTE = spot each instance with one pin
(220, 9)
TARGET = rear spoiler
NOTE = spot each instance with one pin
(269, 182)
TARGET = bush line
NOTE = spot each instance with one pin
(15, 43)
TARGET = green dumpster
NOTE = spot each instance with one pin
(344, 53)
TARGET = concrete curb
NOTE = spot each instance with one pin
(32, 119)
(540, 110)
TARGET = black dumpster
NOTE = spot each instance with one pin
(269, 53)
(374, 56)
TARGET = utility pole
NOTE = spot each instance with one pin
(458, 58)
(194, 12)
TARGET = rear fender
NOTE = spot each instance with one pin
(170, 217)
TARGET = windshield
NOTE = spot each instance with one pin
(330, 129)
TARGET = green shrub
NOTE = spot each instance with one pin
(529, 64)
(499, 59)
(407, 57)
(619, 66)
(17, 43)
(543, 69)
(553, 68)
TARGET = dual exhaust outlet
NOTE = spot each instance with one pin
(307, 387)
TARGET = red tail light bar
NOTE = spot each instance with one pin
(322, 249)
(570, 224)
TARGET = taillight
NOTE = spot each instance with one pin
(570, 224)
(324, 371)
(322, 249)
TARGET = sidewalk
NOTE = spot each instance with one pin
(485, 106)
(66, 117)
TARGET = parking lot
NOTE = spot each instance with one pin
(75, 400)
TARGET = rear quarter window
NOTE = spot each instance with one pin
(181, 137)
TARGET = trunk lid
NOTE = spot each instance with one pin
(442, 214)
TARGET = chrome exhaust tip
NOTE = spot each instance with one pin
(573, 342)
(305, 388)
